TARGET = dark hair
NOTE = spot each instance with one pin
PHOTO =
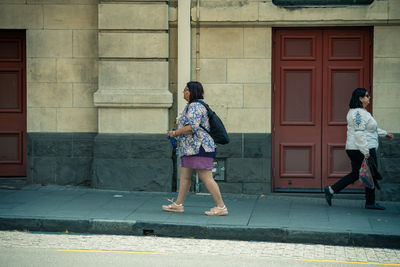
(355, 98)
(196, 91)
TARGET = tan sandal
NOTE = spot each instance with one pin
(173, 207)
(217, 211)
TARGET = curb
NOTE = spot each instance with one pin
(138, 228)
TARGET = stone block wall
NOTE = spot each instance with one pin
(131, 151)
(133, 94)
(128, 162)
(61, 50)
(74, 49)
(103, 74)
(235, 69)
(386, 108)
(248, 164)
(235, 58)
(386, 69)
(255, 11)
(389, 166)
(62, 71)
(247, 160)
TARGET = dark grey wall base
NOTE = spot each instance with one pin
(389, 167)
(247, 164)
(60, 158)
(132, 162)
(144, 162)
(108, 161)
(140, 162)
(12, 183)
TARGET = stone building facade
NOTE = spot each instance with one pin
(104, 81)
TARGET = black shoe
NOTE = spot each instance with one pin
(375, 206)
(328, 195)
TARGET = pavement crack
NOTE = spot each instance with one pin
(252, 210)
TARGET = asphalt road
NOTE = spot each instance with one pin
(58, 249)
(53, 257)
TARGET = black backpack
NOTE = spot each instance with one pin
(217, 128)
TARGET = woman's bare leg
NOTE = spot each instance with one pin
(184, 184)
(212, 187)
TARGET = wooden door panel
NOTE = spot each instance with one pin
(298, 106)
(10, 48)
(297, 160)
(341, 83)
(11, 144)
(345, 46)
(346, 67)
(295, 47)
(10, 90)
(12, 103)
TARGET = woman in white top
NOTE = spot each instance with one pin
(362, 142)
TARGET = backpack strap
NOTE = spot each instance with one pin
(208, 113)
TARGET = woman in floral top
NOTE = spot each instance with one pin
(196, 149)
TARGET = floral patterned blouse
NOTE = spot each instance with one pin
(194, 114)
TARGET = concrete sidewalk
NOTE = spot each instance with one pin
(271, 218)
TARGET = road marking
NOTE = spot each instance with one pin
(112, 251)
(356, 262)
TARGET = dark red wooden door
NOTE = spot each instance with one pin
(12, 104)
(314, 73)
(346, 63)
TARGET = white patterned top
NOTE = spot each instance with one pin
(362, 131)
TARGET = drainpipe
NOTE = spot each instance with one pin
(197, 186)
(198, 40)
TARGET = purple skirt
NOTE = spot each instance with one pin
(197, 162)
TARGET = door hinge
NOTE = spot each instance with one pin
(273, 172)
(274, 88)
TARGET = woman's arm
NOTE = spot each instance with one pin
(390, 136)
(382, 132)
(184, 130)
(386, 134)
(193, 114)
